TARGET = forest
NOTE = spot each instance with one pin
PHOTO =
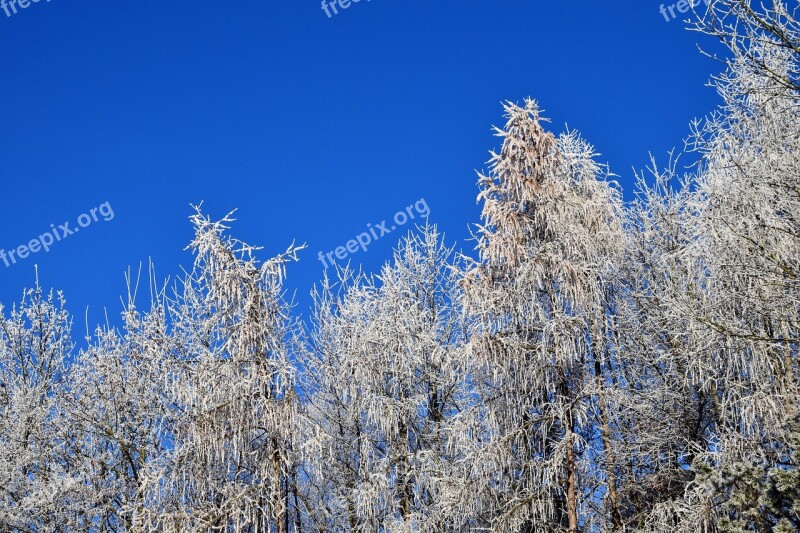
(596, 365)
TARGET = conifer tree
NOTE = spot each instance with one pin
(551, 230)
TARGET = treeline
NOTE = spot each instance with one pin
(598, 366)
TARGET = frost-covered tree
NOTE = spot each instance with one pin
(748, 238)
(389, 393)
(551, 232)
(736, 315)
(752, 31)
(37, 490)
(115, 405)
(229, 438)
(758, 497)
(669, 415)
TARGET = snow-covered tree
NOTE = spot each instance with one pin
(548, 246)
(669, 412)
(736, 314)
(752, 32)
(115, 406)
(37, 490)
(230, 387)
(389, 393)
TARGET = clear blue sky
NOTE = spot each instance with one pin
(311, 126)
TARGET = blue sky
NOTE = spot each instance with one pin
(312, 126)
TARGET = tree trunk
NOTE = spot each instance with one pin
(572, 482)
(572, 490)
(281, 514)
(605, 430)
